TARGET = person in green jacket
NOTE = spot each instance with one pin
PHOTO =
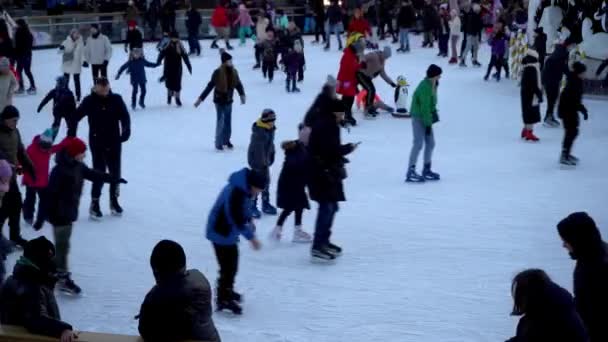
(424, 115)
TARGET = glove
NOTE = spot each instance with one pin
(121, 181)
(585, 115)
(61, 47)
(124, 137)
(116, 78)
(105, 63)
(428, 130)
(85, 65)
(126, 50)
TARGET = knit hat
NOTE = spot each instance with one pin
(131, 23)
(353, 38)
(40, 252)
(581, 233)
(5, 64)
(61, 82)
(225, 56)
(9, 112)
(256, 179)
(268, 115)
(6, 172)
(387, 52)
(331, 81)
(433, 71)
(48, 136)
(168, 257)
(75, 147)
(578, 68)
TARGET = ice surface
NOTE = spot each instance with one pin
(428, 262)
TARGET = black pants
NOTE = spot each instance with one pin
(348, 106)
(367, 84)
(552, 95)
(443, 44)
(570, 134)
(142, 98)
(29, 204)
(193, 42)
(11, 210)
(106, 159)
(301, 74)
(99, 70)
(320, 27)
(387, 22)
(285, 214)
(258, 54)
(291, 80)
(497, 62)
(76, 84)
(325, 220)
(228, 261)
(268, 69)
(24, 63)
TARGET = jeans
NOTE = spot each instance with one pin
(193, 43)
(285, 214)
(62, 246)
(334, 29)
(228, 261)
(76, 84)
(142, 98)
(368, 85)
(325, 220)
(404, 39)
(471, 46)
(29, 204)
(106, 158)
(570, 134)
(11, 209)
(223, 127)
(421, 138)
(244, 32)
(24, 63)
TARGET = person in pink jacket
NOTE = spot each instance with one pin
(39, 152)
(244, 23)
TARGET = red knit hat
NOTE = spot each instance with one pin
(74, 147)
(131, 23)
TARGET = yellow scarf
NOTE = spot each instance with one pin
(262, 124)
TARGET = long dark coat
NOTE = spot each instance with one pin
(531, 91)
(291, 191)
(173, 55)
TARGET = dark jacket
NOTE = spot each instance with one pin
(430, 18)
(24, 41)
(173, 54)
(177, 309)
(11, 146)
(109, 120)
(407, 17)
(7, 49)
(334, 14)
(134, 39)
(553, 318)
(220, 75)
(556, 66)
(293, 61)
(472, 23)
(540, 45)
(571, 100)
(291, 189)
(531, 92)
(64, 104)
(260, 154)
(65, 187)
(137, 69)
(27, 299)
(193, 21)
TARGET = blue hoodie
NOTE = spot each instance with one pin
(231, 213)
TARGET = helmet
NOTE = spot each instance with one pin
(353, 38)
(402, 81)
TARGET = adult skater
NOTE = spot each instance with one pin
(134, 40)
(547, 310)
(372, 65)
(27, 297)
(531, 94)
(334, 24)
(358, 24)
(168, 15)
(178, 307)
(193, 26)
(260, 157)
(109, 128)
(319, 10)
(472, 27)
(224, 81)
(570, 104)
(151, 17)
(173, 55)
(8, 83)
(584, 243)
(72, 50)
(64, 104)
(455, 32)
(327, 169)
(229, 218)
(424, 116)
(97, 53)
(24, 41)
(430, 23)
(221, 25)
(347, 75)
(556, 67)
(406, 20)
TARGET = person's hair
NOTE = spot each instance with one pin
(527, 290)
(167, 258)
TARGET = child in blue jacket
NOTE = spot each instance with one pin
(136, 66)
(229, 218)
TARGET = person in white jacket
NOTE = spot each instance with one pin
(97, 53)
(8, 83)
(455, 26)
(72, 50)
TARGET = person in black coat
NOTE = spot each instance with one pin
(540, 45)
(136, 65)
(570, 104)
(556, 66)
(173, 55)
(152, 14)
(406, 21)
(134, 40)
(24, 41)
(327, 167)
(64, 103)
(334, 20)
(193, 25)
(584, 243)
(430, 23)
(547, 310)
(7, 48)
(27, 297)
(531, 94)
(319, 10)
(178, 307)
(168, 15)
(109, 128)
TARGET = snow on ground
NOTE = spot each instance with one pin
(426, 262)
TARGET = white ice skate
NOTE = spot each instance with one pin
(300, 236)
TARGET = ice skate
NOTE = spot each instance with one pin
(268, 208)
(566, 161)
(529, 136)
(142, 104)
(322, 255)
(295, 90)
(229, 146)
(276, 234)
(257, 66)
(463, 64)
(573, 159)
(476, 64)
(300, 236)
(94, 211)
(31, 91)
(115, 208)
(67, 285)
(236, 296)
(20, 91)
(334, 249)
(453, 60)
(551, 122)
(178, 101)
(214, 45)
(413, 176)
(230, 305)
(428, 174)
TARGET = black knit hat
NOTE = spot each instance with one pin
(256, 179)
(167, 258)
(268, 115)
(433, 71)
(225, 56)
(9, 112)
(40, 252)
(578, 68)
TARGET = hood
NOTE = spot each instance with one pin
(581, 233)
(239, 180)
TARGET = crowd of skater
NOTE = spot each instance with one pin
(314, 166)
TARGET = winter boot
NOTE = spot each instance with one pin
(229, 146)
(257, 66)
(95, 211)
(294, 88)
(276, 234)
(133, 105)
(453, 60)
(350, 120)
(229, 47)
(38, 225)
(573, 159)
(300, 236)
(428, 174)
(268, 208)
(115, 208)
(334, 249)
(463, 63)
(142, 104)
(530, 136)
(169, 97)
(327, 47)
(67, 285)
(287, 87)
(31, 90)
(371, 112)
(322, 254)
(236, 296)
(485, 78)
(412, 176)
(524, 133)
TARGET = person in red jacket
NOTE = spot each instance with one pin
(39, 152)
(359, 24)
(221, 24)
(347, 75)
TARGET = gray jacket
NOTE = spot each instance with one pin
(97, 50)
(261, 147)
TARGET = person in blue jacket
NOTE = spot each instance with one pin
(229, 218)
(136, 66)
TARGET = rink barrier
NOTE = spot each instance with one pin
(10, 333)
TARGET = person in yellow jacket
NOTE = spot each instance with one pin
(424, 115)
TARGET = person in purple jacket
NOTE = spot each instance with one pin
(293, 62)
(498, 42)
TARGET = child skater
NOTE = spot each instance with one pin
(39, 152)
(270, 47)
(64, 103)
(401, 93)
(62, 201)
(261, 156)
(229, 218)
(294, 62)
(570, 104)
(136, 66)
(291, 192)
(498, 42)
(244, 23)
